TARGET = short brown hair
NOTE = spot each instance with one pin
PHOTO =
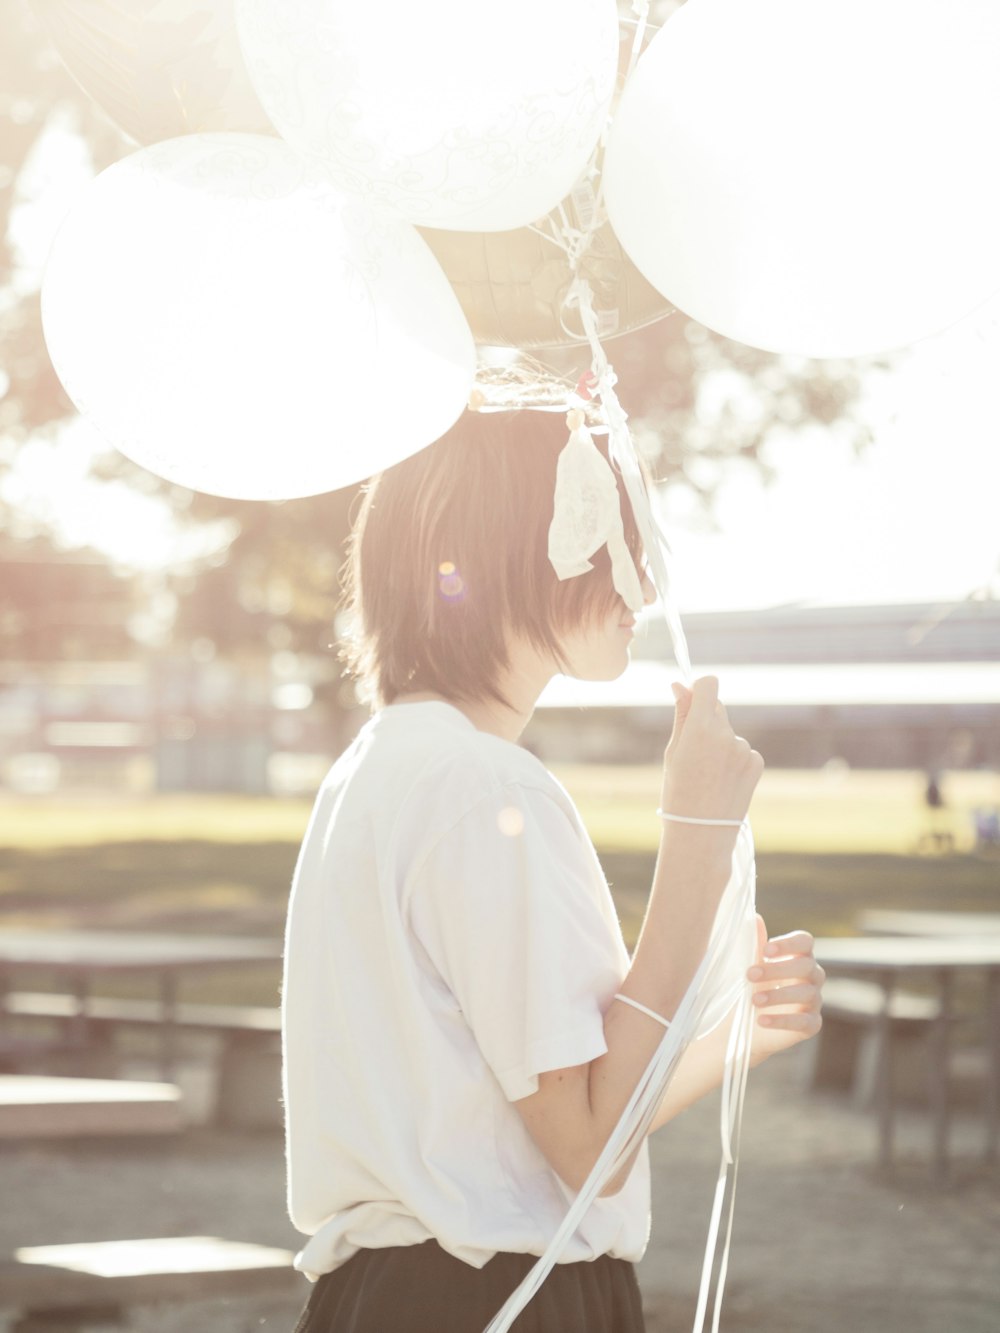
(449, 554)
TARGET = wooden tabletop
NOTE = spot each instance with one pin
(879, 953)
(119, 1273)
(930, 923)
(37, 1106)
(124, 951)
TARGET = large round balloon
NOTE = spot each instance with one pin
(232, 321)
(512, 286)
(158, 68)
(816, 177)
(463, 114)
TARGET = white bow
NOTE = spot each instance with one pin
(587, 515)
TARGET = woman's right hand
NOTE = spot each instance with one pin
(708, 771)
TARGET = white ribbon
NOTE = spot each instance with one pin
(622, 451)
(720, 982)
(583, 520)
(719, 987)
(587, 515)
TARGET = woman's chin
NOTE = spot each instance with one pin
(613, 671)
(606, 666)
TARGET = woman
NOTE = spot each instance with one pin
(462, 1023)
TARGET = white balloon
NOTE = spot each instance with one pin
(233, 322)
(463, 115)
(812, 177)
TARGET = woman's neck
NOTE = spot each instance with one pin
(489, 716)
(522, 685)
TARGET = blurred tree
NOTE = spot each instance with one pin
(279, 585)
(276, 586)
(693, 397)
(61, 605)
(35, 90)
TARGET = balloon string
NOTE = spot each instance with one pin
(709, 981)
(640, 8)
(743, 1062)
(707, 987)
(626, 459)
(575, 241)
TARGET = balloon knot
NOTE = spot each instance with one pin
(586, 385)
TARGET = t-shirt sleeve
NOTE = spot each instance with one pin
(508, 907)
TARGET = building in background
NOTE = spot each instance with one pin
(162, 723)
(911, 686)
(902, 687)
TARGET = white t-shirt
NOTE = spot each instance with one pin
(450, 936)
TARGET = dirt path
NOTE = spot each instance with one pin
(820, 1244)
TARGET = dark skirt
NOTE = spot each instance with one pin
(424, 1289)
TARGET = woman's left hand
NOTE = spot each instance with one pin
(788, 991)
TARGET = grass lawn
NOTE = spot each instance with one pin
(794, 810)
(828, 846)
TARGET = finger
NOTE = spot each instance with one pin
(682, 706)
(810, 1022)
(706, 688)
(761, 938)
(796, 941)
(705, 694)
(802, 968)
(804, 992)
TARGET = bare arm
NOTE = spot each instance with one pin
(788, 999)
(709, 772)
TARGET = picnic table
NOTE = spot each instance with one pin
(33, 1106)
(886, 960)
(933, 924)
(78, 1285)
(82, 957)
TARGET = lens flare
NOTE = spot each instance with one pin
(510, 821)
(450, 582)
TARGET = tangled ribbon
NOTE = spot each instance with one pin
(586, 516)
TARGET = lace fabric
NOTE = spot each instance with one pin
(587, 516)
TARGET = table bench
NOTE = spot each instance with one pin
(249, 1065)
(38, 1106)
(61, 1288)
(83, 959)
(845, 1053)
(888, 960)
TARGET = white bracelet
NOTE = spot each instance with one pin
(690, 819)
(642, 1009)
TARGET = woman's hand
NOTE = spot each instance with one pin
(788, 992)
(708, 771)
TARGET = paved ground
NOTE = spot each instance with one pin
(821, 1244)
